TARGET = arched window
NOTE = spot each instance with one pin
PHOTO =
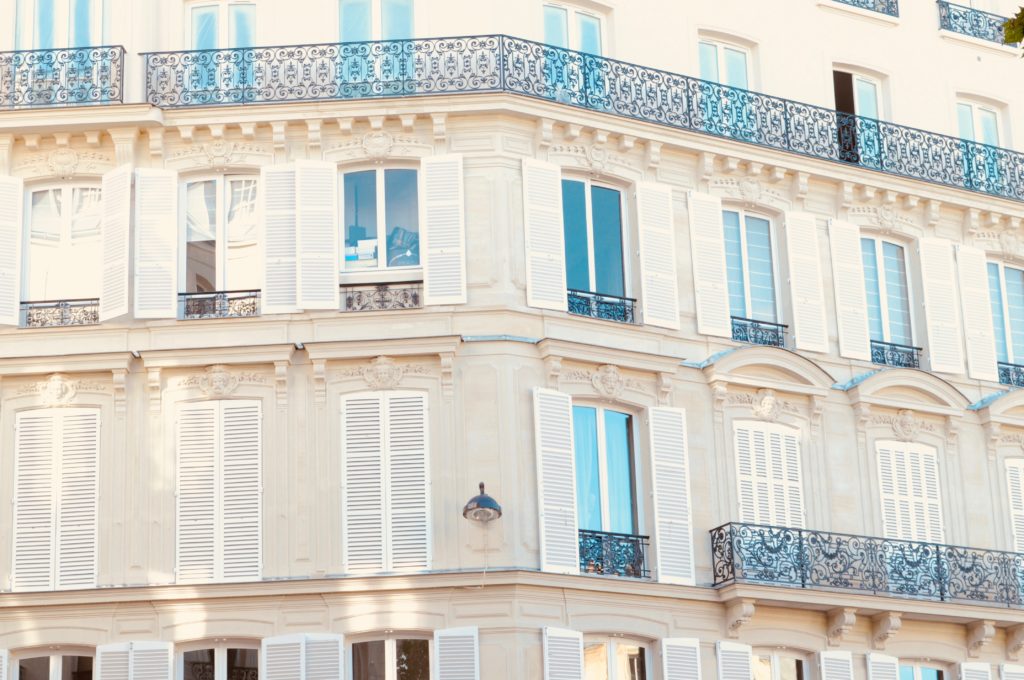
(615, 658)
(219, 661)
(395, 656)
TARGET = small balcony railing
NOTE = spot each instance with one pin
(382, 297)
(890, 7)
(758, 332)
(972, 22)
(892, 354)
(610, 554)
(784, 556)
(219, 305)
(1011, 374)
(203, 670)
(52, 313)
(601, 306)
(74, 76)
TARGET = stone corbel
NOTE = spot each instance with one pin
(153, 384)
(732, 164)
(992, 432)
(313, 136)
(6, 143)
(600, 137)
(156, 142)
(408, 121)
(840, 622)
(31, 141)
(972, 221)
(119, 376)
(883, 627)
(719, 391)
(664, 387)
(862, 411)
(447, 375)
(62, 139)
(281, 384)
(573, 131)
(738, 614)
(187, 133)
(320, 381)
(867, 193)
(92, 138)
(952, 435)
(124, 144)
(706, 165)
(979, 634)
(889, 197)
(776, 174)
(344, 125)
(846, 195)
(552, 371)
(652, 154)
(248, 130)
(803, 180)
(1014, 642)
(440, 125)
(815, 407)
(279, 133)
(626, 143)
(217, 130)
(545, 132)
(932, 210)
(910, 201)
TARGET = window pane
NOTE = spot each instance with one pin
(897, 295)
(995, 294)
(361, 220)
(763, 668)
(198, 664)
(45, 31)
(630, 663)
(412, 659)
(355, 18)
(736, 68)
(588, 479)
(243, 664)
(790, 668)
(402, 217)
(595, 661)
(46, 214)
(867, 98)
(396, 19)
(204, 28)
(1015, 310)
(871, 288)
(709, 62)
(244, 270)
(242, 25)
(368, 660)
(930, 674)
(556, 26)
(590, 33)
(201, 237)
(85, 216)
(761, 272)
(989, 124)
(37, 668)
(607, 212)
(619, 465)
(906, 673)
(76, 668)
(965, 121)
(734, 264)
(82, 21)
(574, 220)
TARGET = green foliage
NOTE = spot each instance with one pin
(1013, 29)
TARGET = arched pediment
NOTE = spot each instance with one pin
(907, 388)
(1002, 407)
(769, 367)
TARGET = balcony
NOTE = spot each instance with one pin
(64, 77)
(384, 297)
(892, 354)
(971, 22)
(600, 306)
(53, 313)
(226, 304)
(798, 558)
(889, 7)
(758, 332)
(609, 554)
(497, 63)
(1011, 374)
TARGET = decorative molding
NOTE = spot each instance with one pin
(885, 218)
(59, 390)
(281, 384)
(652, 154)
(377, 145)
(993, 437)
(153, 383)
(751, 191)
(552, 371)
(440, 125)
(905, 425)
(840, 622)
(381, 373)
(979, 634)
(124, 144)
(119, 378)
(883, 627)
(1014, 641)
(447, 375)
(706, 165)
(665, 388)
(219, 154)
(738, 614)
(764, 405)
(607, 380)
(592, 157)
(64, 163)
(219, 380)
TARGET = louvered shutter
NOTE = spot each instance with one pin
(11, 228)
(938, 280)
(707, 247)
(408, 483)
(851, 299)
(151, 660)
(928, 464)
(909, 483)
(883, 667)
(836, 665)
(443, 225)
(1015, 491)
(79, 431)
(680, 659)
(734, 661)
(241, 486)
(750, 487)
(115, 227)
(785, 446)
(672, 513)
(113, 662)
(5, 664)
(975, 302)
(768, 472)
(281, 657)
(544, 234)
(156, 243)
(975, 670)
(34, 499)
(457, 654)
(1009, 671)
(316, 222)
(324, 656)
(658, 254)
(556, 479)
(806, 290)
(563, 654)
(280, 277)
(197, 492)
(362, 437)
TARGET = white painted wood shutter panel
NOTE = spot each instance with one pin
(197, 493)
(1009, 671)
(443, 227)
(975, 301)
(457, 654)
(277, 220)
(241, 487)
(563, 654)
(113, 662)
(1015, 491)
(734, 661)
(785, 446)
(938, 278)
(658, 269)
(544, 235)
(836, 665)
(152, 660)
(324, 656)
(408, 482)
(769, 473)
(78, 496)
(556, 476)
(115, 229)
(673, 518)
(316, 220)
(12, 194)
(806, 290)
(34, 500)
(281, 657)
(851, 298)
(883, 667)
(156, 243)
(362, 437)
(680, 659)
(909, 482)
(975, 670)
(707, 247)
(5, 664)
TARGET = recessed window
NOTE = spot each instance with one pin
(911, 501)
(1006, 295)
(573, 28)
(614, 660)
(858, 108)
(361, 20)
(605, 477)
(773, 666)
(63, 243)
(888, 296)
(978, 122)
(768, 473)
(51, 24)
(380, 218)
(56, 666)
(592, 220)
(391, 659)
(223, 24)
(919, 672)
(219, 663)
(750, 266)
(724, 63)
(221, 248)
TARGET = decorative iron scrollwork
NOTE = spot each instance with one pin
(890, 7)
(611, 554)
(1011, 374)
(758, 332)
(53, 313)
(972, 22)
(220, 305)
(600, 306)
(382, 297)
(892, 354)
(62, 77)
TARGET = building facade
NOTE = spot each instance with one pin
(723, 301)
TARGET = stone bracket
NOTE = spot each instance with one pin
(979, 634)
(738, 614)
(883, 627)
(840, 622)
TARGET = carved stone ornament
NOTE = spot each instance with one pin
(219, 380)
(738, 614)
(840, 622)
(382, 373)
(764, 405)
(884, 217)
(608, 381)
(62, 162)
(1014, 641)
(59, 390)
(593, 157)
(768, 408)
(65, 163)
(905, 425)
(979, 634)
(750, 190)
(377, 145)
(883, 627)
(218, 154)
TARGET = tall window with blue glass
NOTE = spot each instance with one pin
(592, 220)
(750, 266)
(605, 470)
(888, 295)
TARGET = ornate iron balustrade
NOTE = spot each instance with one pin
(610, 554)
(51, 313)
(600, 306)
(382, 297)
(219, 305)
(203, 670)
(1011, 374)
(892, 354)
(74, 76)
(783, 556)
(890, 7)
(758, 332)
(972, 22)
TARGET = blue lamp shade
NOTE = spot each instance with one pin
(482, 508)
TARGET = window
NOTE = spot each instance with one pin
(594, 247)
(221, 249)
(1015, 488)
(380, 219)
(614, 659)
(573, 28)
(1006, 295)
(52, 24)
(223, 24)
(724, 63)
(361, 20)
(64, 244)
(909, 482)
(858, 109)
(888, 296)
(605, 470)
(769, 473)
(219, 662)
(55, 666)
(750, 266)
(393, 658)
(776, 666)
(919, 672)
(978, 124)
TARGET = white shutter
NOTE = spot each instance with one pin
(806, 289)
(407, 483)
(975, 301)
(750, 488)
(113, 662)
(324, 656)
(789, 480)
(975, 670)
(556, 479)
(281, 658)
(152, 660)
(544, 234)
(241, 486)
(115, 229)
(457, 654)
(672, 514)
(909, 482)
(707, 247)
(768, 473)
(938, 279)
(11, 228)
(851, 298)
(836, 665)
(658, 269)
(680, 659)
(34, 499)
(1015, 490)
(5, 664)
(929, 468)
(362, 437)
(1009, 671)
(563, 654)
(316, 222)
(277, 200)
(734, 661)
(156, 243)
(197, 493)
(443, 230)
(883, 667)
(79, 431)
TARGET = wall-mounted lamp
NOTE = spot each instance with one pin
(482, 508)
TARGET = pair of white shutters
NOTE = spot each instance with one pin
(909, 480)
(556, 473)
(218, 491)
(735, 663)
(386, 482)
(144, 660)
(56, 495)
(563, 656)
(769, 473)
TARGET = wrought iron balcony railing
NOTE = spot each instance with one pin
(382, 297)
(970, 21)
(758, 332)
(219, 305)
(1011, 374)
(51, 313)
(892, 354)
(890, 7)
(600, 306)
(74, 76)
(610, 554)
(783, 556)
(497, 63)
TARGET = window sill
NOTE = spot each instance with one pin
(876, 17)
(369, 278)
(978, 42)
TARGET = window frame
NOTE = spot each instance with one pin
(976, 106)
(220, 649)
(52, 653)
(611, 642)
(720, 46)
(572, 32)
(25, 29)
(223, 21)
(376, 20)
(602, 462)
(773, 240)
(378, 272)
(627, 269)
(883, 288)
(917, 665)
(389, 638)
(877, 80)
(777, 653)
(1004, 305)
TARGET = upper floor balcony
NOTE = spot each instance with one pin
(889, 7)
(74, 76)
(971, 22)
